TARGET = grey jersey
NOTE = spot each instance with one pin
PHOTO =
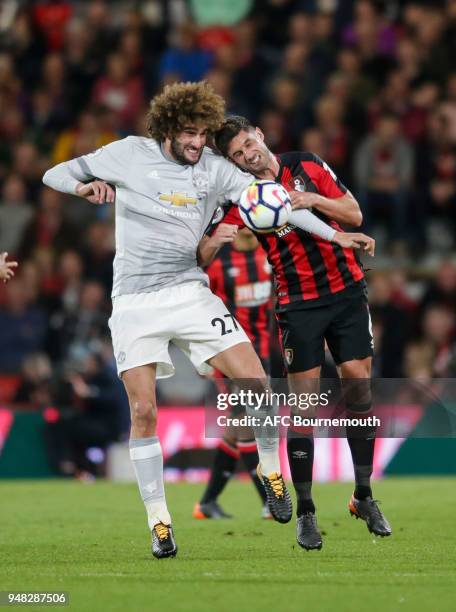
(162, 208)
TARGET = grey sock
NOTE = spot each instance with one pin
(267, 437)
(146, 456)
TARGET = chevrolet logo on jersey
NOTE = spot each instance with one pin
(178, 199)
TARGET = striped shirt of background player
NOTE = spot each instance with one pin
(242, 279)
(306, 266)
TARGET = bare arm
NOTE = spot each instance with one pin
(68, 178)
(91, 176)
(343, 210)
(210, 245)
(310, 223)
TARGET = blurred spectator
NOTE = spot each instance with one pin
(54, 81)
(23, 327)
(31, 277)
(49, 228)
(15, 213)
(98, 253)
(435, 174)
(222, 83)
(183, 61)
(372, 23)
(361, 86)
(383, 171)
(36, 388)
(130, 46)
(431, 355)
(51, 17)
(313, 140)
(251, 66)
(27, 163)
(441, 290)
(10, 85)
(70, 270)
(94, 421)
(329, 113)
(273, 125)
(75, 332)
(98, 21)
(83, 137)
(120, 91)
(391, 323)
(82, 65)
(374, 36)
(45, 120)
(26, 44)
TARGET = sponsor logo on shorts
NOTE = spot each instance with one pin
(121, 357)
(289, 356)
(299, 454)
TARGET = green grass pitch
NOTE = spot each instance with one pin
(92, 541)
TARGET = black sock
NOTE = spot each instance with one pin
(225, 460)
(361, 441)
(300, 449)
(249, 455)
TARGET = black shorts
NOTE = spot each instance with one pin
(345, 325)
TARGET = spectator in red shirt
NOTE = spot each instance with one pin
(120, 92)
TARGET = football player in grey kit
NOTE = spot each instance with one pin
(167, 187)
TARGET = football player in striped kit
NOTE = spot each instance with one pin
(321, 297)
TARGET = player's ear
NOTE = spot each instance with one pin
(259, 133)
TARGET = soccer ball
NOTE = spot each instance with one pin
(264, 206)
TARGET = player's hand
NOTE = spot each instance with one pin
(355, 240)
(302, 199)
(224, 233)
(96, 192)
(6, 268)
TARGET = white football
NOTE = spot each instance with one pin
(264, 206)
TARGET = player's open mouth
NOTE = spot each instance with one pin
(255, 160)
(193, 151)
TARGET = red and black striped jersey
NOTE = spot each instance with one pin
(309, 271)
(242, 279)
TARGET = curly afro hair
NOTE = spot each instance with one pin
(183, 104)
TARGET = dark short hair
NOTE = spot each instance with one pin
(230, 128)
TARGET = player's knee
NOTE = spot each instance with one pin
(144, 413)
(357, 369)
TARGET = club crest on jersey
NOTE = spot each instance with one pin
(289, 355)
(200, 181)
(178, 199)
(296, 183)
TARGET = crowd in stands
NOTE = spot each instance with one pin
(369, 86)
